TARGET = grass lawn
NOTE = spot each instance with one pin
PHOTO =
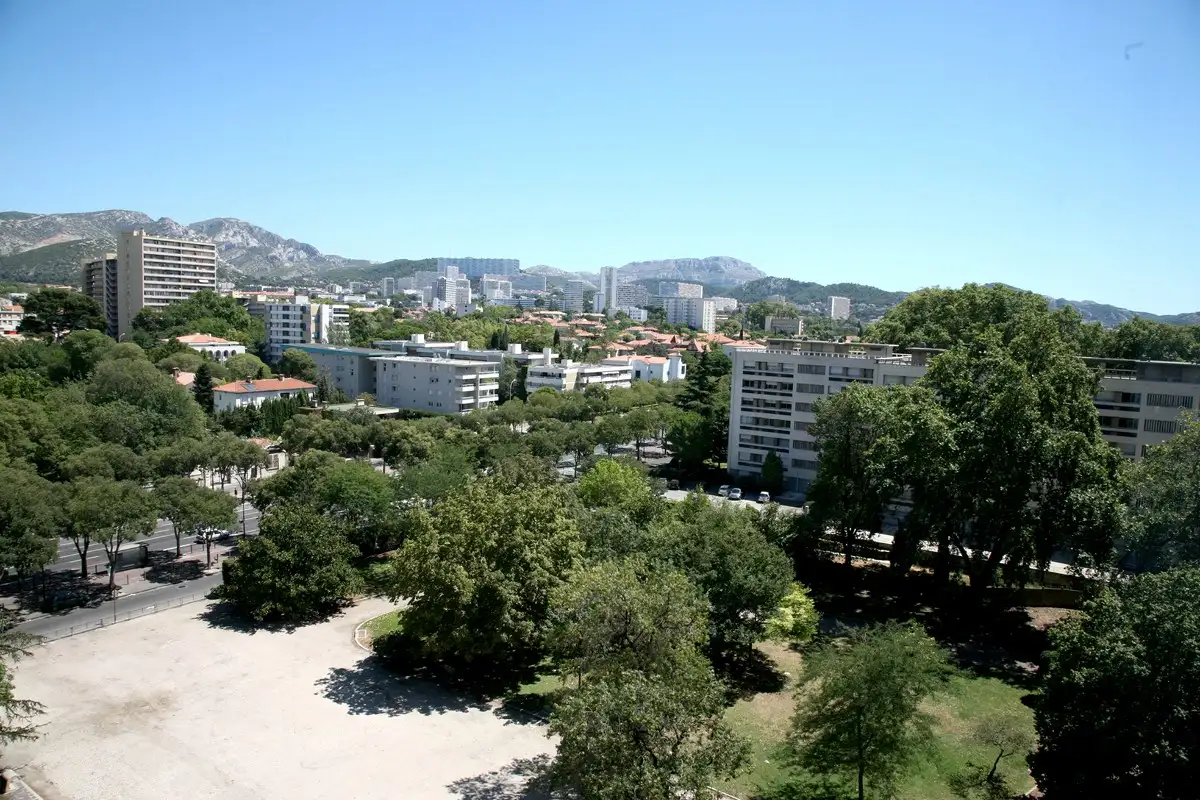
(383, 625)
(764, 719)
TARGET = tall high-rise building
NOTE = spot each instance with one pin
(608, 289)
(100, 284)
(531, 282)
(155, 271)
(676, 289)
(632, 294)
(478, 267)
(695, 312)
(573, 296)
(389, 287)
(839, 307)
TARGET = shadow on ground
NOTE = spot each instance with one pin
(523, 779)
(166, 567)
(56, 592)
(369, 687)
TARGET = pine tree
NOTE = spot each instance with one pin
(202, 387)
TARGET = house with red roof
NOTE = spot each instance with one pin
(217, 348)
(229, 396)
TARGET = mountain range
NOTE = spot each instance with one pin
(48, 248)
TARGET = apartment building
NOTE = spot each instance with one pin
(785, 326)
(608, 290)
(155, 271)
(100, 284)
(774, 389)
(350, 369)
(839, 307)
(632, 294)
(11, 315)
(676, 289)
(570, 376)
(298, 320)
(439, 385)
(495, 288)
(528, 282)
(478, 267)
(573, 296)
(696, 312)
(388, 287)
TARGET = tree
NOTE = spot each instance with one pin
(479, 574)
(772, 473)
(580, 443)
(625, 616)
(53, 312)
(244, 366)
(193, 510)
(202, 388)
(114, 513)
(1120, 694)
(688, 440)
(642, 425)
(1006, 735)
(620, 485)
(860, 714)
(29, 521)
(84, 350)
(632, 735)
(298, 569)
(16, 715)
(611, 432)
(1164, 500)
(296, 363)
(795, 621)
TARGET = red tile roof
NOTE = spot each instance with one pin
(265, 385)
(202, 338)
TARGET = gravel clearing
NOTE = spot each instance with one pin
(184, 704)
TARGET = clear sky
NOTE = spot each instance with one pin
(899, 144)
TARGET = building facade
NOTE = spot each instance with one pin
(573, 296)
(528, 282)
(388, 288)
(785, 326)
(839, 307)
(695, 312)
(100, 284)
(774, 389)
(677, 289)
(608, 290)
(217, 348)
(439, 385)
(651, 368)
(569, 376)
(478, 267)
(349, 369)
(632, 294)
(154, 271)
(230, 396)
(10, 317)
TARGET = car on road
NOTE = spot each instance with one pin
(216, 534)
(735, 493)
(723, 491)
(764, 497)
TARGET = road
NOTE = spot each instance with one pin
(163, 538)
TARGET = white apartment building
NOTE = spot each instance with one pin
(573, 296)
(10, 317)
(696, 312)
(330, 323)
(155, 271)
(388, 288)
(839, 307)
(301, 321)
(478, 267)
(774, 389)
(632, 294)
(724, 304)
(217, 348)
(634, 313)
(100, 284)
(676, 289)
(608, 290)
(230, 396)
(494, 288)
(439, 385)
(570, 376)
(651, 368)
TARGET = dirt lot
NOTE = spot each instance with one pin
(187, 704)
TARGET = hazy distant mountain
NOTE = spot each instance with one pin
(1110, 316)
(714, 271)
(47, 248)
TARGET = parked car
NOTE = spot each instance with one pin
(217, 535)
(764, 497)
(723, 491)
(672, 484)
(735, 493)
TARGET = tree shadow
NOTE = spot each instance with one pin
(225, 615)
(57, 592)
(166, 567)
(746, 674)
(369, 687)
(522, 779)
(526, 709)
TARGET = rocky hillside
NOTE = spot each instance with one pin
(714, 270)
(47, 248)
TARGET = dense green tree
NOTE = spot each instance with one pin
(944, 318)
(860, 713)
(1165, 501)
(112, 513)
(245, 366)
(580, 443)
(448, 469)
(757, 313)
(1154, 341)
(617, 484)
(296, 570)
(688, 440)
(478, 574)
(111, 461)
(30, 520)
(1118, 711)
(24, 384)
(632, 735)
(168, 408)
(772, 473)
(193, 510)
(795, 621)
(625, 615)
(54, 312)
(202, 388)
(298, 364)
(84, 349)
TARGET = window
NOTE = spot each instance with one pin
(1170, 400)
(801, 426)
(810, 388)
(810, 369)
(1159, 426)
(801, 444)
(802, 463)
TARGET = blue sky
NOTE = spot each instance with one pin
(895, 144)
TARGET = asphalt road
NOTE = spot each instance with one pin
(163, 538)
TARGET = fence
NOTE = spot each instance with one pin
(123, 616)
